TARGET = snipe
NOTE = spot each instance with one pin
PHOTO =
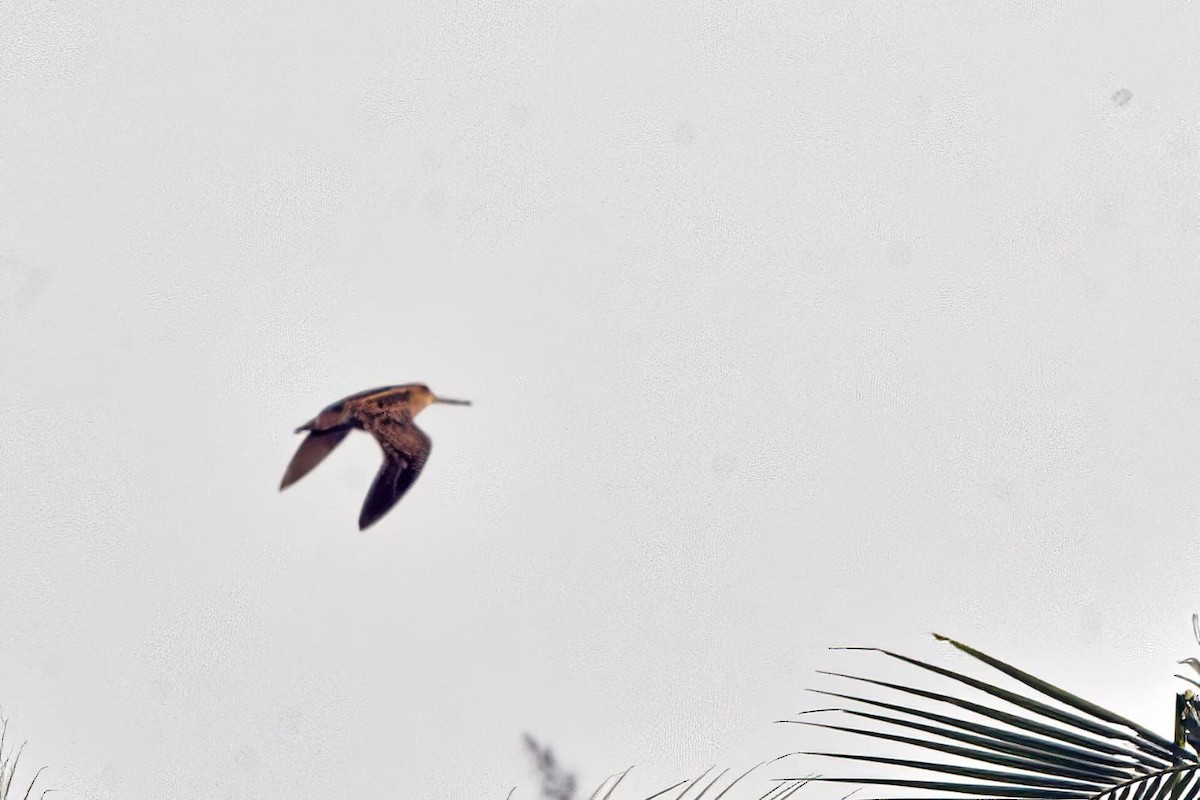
(387, 414)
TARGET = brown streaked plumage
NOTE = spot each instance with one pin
(387, 414)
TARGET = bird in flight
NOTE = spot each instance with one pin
(387, 414)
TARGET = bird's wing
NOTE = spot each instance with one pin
(405, 450)
(313, 450)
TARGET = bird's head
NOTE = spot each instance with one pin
(420, 396)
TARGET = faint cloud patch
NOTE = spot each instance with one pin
(23, 287)
(1013, 500)
(432, 161)
(1189, 219)
(685, 132)
(387, 107)
(1091, 288)
(164, 688)
(51, 667)
(724, 464)
(110, 777)
(1092, 625)
(435, 203)
(899, 254)
(33, 287)
(248, 759)
(519, 115)
(588, 16)
(1182, 146)
(294, 720)
(1001, 488)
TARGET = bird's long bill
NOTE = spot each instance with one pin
(450, 402)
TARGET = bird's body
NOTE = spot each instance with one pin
(387, 414)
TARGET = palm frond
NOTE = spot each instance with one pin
(1042, 743)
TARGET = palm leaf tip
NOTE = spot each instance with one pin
(1061, 695)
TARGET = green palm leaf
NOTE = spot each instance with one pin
(1042, 743)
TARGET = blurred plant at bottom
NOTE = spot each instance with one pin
(557, 784)
(9, 761)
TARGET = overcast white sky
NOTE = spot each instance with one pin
(787, 326)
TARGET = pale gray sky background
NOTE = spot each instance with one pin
(788, 325)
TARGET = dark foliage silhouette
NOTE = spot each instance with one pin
(1040, 742)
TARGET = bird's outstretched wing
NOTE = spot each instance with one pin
(405, 450)
(313, 450)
